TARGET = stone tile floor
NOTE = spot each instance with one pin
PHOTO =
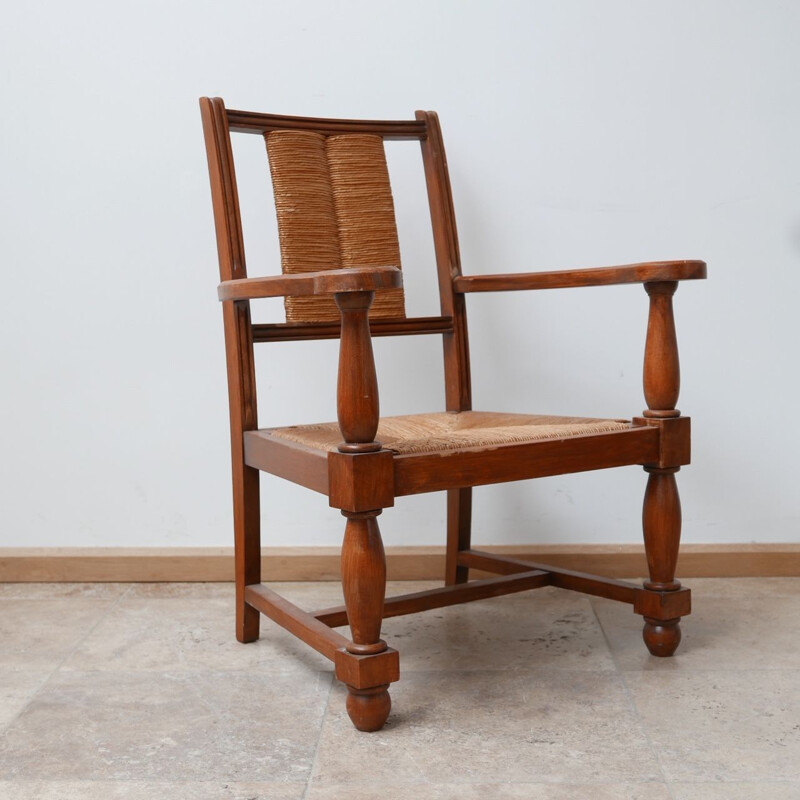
(138, 692)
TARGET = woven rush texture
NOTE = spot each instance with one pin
(428, 433)
(335, 209)
(362, 196)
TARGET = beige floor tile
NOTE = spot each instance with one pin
(45, 591)
(515, 697)
(489, 791)
(752, 588)
(736, 791)
(161, 591)
(17, 688)
(190, 626)
(155, 726)
(306, 594)
(323, 594)
(722, 726)
(734, 633)
(542, 726)
(139, 790)
(546, 628)
(181, 633)
(37, 635)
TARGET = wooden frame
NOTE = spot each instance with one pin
(361, 478)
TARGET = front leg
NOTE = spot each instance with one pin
(661, 522)
(364, 586)
(361, 484)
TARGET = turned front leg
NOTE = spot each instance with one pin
(364, 587)
(661, 523)
(661, 515)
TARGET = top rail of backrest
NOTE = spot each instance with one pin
(252, 122)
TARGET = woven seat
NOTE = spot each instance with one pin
(429, 433)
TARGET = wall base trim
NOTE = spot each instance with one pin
(114, 564)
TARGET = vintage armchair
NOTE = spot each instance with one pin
(340, 253)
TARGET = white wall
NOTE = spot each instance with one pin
(578, 134)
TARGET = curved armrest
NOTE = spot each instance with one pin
(355, 279)
(566, 278)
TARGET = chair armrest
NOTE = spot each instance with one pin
(602, 276)
(355, 279)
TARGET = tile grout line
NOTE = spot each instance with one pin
(633, 705)
(319, 737)
(61, 663)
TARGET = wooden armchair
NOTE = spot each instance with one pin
(339, 253)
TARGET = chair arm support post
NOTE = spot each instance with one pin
(662, 374)
(357, 391)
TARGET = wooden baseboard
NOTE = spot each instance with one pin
(54, 565)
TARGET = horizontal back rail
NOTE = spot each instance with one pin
(250, 122)
(296, 332)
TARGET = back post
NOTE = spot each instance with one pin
(458, 384)
(240, 361)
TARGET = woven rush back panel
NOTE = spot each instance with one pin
(335, 209)
(362, 196)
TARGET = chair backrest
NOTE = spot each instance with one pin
(335, 209)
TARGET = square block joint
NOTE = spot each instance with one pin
(361, 482)
(364, 672)
(663, 605)
(675, 440)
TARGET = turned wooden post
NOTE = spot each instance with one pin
(364, 587)
(662, 372)
(661, 514)
(357, 396)
(363, 559)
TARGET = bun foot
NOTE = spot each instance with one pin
(368, 708)
(662, 637)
